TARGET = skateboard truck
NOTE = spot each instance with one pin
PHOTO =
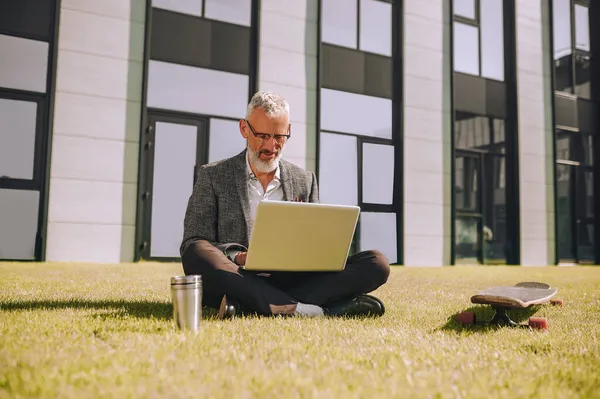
(502, 319)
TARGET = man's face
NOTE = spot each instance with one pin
(265, 152)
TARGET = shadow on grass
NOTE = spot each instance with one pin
(115, 308)
(484, 314)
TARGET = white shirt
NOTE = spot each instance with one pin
(256, 193)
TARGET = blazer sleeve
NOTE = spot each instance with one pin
(200, 221)
(314, 189)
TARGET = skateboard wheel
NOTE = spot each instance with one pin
(466, 318)
(557, 302)
(539, 323)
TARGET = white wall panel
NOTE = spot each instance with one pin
(340, 113)
(224, 139)
(233, 11)
(18, 223)
(23, 63)
(338, 175)
(198, 90)
(173, 181)
(17, 138)
(378, 231)
(191, 7)
(378, 174)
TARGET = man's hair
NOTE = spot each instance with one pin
(270, 103)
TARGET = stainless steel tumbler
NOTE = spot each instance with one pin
(186, 292)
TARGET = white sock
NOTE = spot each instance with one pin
(304, 309)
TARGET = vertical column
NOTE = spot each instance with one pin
(536, 158)
(427, 150)
(94, 165)
(288, 65)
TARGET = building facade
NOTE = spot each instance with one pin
(464, 129)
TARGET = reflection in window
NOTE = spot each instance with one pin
(467, 240)
(563, 145)
(561, 20)
(582, 75)
(479, 132)
(339, 22)
(376, 27)
(465, 8)
(492, 48)
(466, 49)
(17, 138)
(338, 171)
(466, 179)
(582, 28)
(589, 194)
(378, 174)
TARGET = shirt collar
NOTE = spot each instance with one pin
(251, 174)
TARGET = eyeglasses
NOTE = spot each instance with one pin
(264, 137)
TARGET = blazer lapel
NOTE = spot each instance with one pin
(286, 182)
(242, 189)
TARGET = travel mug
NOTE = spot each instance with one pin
(186, 292)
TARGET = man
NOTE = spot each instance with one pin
(218, 224)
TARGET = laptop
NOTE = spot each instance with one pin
(301, 236)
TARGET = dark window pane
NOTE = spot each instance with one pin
(467, 248)
(588, 149)
(564, 212)
(473, 132)
(562, 44)
(29, 18)
(582, 75)
(588, 194)
(494, 216)
(215, 45)
(582, 27)
(466, 183)
(585, 243)
(563, 145)
(492, 40)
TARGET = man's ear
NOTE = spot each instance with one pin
(243, 129)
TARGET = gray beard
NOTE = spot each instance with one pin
(263, 166)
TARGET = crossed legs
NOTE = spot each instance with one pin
(281, 291)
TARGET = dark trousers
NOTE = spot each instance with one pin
(279, 292)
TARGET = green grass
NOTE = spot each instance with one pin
(74, 331)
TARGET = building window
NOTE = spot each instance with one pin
(357, 139)
(200, 77)
(478, 38)
(572, 50)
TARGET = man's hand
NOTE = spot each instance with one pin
(240, 259)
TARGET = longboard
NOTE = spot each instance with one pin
(503, 298)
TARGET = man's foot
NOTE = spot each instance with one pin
(229, 308)
(361, 305)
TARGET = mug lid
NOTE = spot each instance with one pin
(191, 279)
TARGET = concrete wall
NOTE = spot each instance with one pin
(427, 156)
(288, 65)
(93, 181)
(536, 134)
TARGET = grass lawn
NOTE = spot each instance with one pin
(74, 331)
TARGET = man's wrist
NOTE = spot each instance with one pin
(232, 254)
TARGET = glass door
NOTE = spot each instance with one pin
(174, 147)
(468, 204)
(575, 213)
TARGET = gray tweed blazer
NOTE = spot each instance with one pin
(218, 210)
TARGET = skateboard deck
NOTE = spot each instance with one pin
(503, 298)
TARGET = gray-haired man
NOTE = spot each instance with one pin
(219, 219)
